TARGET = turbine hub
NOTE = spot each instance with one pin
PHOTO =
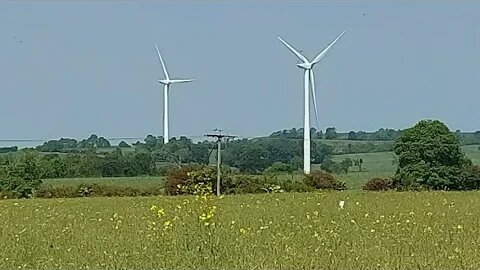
(307, 66)
(166, 82)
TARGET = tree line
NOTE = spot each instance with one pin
(382, 134)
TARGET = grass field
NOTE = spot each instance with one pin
(472, 152)
(424, 230)
(382, 164)
(374, 165)
(379, 164)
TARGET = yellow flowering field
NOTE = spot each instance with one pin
(411, 230)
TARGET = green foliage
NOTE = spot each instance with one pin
(296, 134)
(352, 135)
(280, 167)
(323, 180)
(254, 156)
(336, 167)
(67, 145)
(178, 179)
(123, 144)
(248, 184)
(94, 190)
(20, 175)
(470, 179)
(178, 151)
(185, 180)
(58, 145)
(429, 156)
(331, 133)
(378, 184)
(11, 149)
(358, 162)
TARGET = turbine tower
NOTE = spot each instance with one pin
(166, 86)
(309, 88)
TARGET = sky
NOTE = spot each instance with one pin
(70, 69)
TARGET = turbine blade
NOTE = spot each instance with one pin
(163, 64)
(182, 81)
(299, 55)
(312, 91)
(322, 54)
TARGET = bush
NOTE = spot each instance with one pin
(182, 180)
(471, 179)
(323, 180)
(94, 190)
(378, 184)
(296, 186)
(242, 184)
(18, 188)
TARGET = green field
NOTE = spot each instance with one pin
(375, 165)
(381, 164)
(423, 230)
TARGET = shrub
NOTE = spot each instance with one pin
(378, 184)
(94, 190)
(182, 180)
(244, 184)
(323, 180)
(176, 178)
(241, 184)
(295, 186)
(16, 187)
(471, 179)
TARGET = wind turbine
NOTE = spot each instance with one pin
(166, 86)
(309, 86)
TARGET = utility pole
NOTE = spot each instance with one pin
(219, 136)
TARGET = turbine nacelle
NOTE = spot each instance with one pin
(165, 82)
(305, 65)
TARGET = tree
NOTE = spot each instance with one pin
(103, 143)
(352, 135)
(320, 152)
(358, 162)
(346, 164)
(429, 156)
(123, 144)
(151, 142)
(93, 142)
(20, 177)
(8, 149)
(330, 133)
(280, 167)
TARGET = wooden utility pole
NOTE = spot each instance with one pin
(219, 136)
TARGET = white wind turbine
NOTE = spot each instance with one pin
(309, 86)
(166, 86)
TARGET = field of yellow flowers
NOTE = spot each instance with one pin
(410, 230)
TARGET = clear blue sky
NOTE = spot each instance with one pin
(71, 69)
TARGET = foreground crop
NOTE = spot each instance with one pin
(286, 231)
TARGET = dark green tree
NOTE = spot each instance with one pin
(123, 144)
(352, 135)
(330, 133)
(429, 156)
